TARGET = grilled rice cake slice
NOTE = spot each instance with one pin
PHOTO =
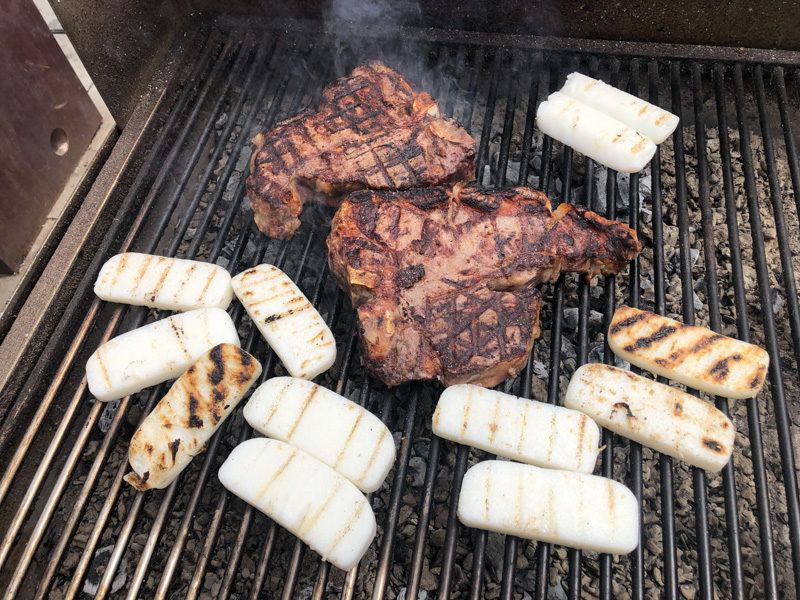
(188, 415)
(303, 495)
(291, 325)
(524, 430)
(156, 352)
(655, 415)
(692, 355)
(444, 278)
(372, 129)
(163, 282)
(329, 427)
(561, 507)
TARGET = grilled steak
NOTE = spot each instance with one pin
(372, 129)
(444, 279)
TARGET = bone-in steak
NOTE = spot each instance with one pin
(372, 129)
(444, 279)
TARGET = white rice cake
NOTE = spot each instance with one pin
(525, 430)
(165, 283)
(561, 507)
(291, 325)
(694, 356)
(184, 420)
(648, 119)
(303, 495)
(655, 415)
(156, 352)
(593, 133)
(329, 427)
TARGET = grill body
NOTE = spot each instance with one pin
(717, 211)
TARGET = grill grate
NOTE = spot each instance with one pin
(733, 535)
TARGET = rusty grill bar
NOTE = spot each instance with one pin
(62, 495)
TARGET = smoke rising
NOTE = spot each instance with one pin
(379, 12)
(353, 31)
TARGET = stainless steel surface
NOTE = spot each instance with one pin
(47, 123)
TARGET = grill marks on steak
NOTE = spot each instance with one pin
(476, 335)
(372, 129)
(444, 279)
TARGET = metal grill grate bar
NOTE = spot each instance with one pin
(194, 587)
(665, 462)
(499, 180)
(687, 309)
(776, 377)
(512, 543)
(778, 76)
(393, 513)
(634, 279)
(743, 330)
(543, 549)
(712, 292)
(178, 544)
(446, 581)
(479, 552)
(448, 97)
(785, 252)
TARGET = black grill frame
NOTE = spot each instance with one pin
(263, 66)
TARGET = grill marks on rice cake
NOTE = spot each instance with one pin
(345, 529)
(163, 282)
(211, 277)
(139, 275)
(286, 319)
(574, 509)
(628, 322)
(156, 352)
(268, 483)
(299, 418)
(348, 440)
(185, 418)
(500, 423)
(185, 279)
(327, 426)
(289, 311)
(123, 261)
(682, 348)
(179, 337)
(301, 494)
(161, 278)
(374, 454)
(311, 518)
(101, 353)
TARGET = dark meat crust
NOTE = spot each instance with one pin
(444, 279)
(372, 129)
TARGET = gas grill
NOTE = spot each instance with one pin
(717, 210)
